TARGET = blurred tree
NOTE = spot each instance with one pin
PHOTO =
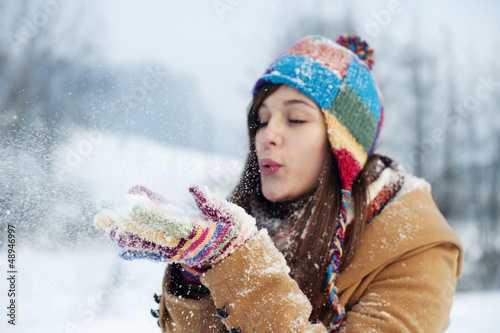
(491, 230)
(154, 102)
(447, 201)
(418, 61)
(40, 53)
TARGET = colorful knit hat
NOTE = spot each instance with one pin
(337, 76)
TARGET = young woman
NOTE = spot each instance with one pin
(321, 235)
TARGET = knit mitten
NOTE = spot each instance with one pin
(154, 230)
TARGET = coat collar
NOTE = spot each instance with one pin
(385, 179)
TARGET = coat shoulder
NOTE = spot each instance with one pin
(411, 221)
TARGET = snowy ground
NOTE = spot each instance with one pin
(87, 291)
(94, 291)
(476, 312)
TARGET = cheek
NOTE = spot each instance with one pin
(258, 143)
(311, 159)
(309, 150)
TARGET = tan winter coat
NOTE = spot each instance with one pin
(402, 279)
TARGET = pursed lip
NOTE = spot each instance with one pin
(268, 166)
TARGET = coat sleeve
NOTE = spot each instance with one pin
(254, 289)
(413, 294)
(251, 287)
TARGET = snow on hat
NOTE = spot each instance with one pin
(337, 76)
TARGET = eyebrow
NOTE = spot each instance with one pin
(292, 102)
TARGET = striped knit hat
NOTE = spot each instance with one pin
(337, 76)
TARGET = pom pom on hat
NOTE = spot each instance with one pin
(360, 47)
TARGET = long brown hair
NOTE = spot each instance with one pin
(314, 229)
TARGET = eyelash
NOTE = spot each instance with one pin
(293, 121)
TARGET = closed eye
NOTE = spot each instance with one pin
(296, 121)
(261, 124)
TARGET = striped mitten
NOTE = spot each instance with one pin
(153, 230)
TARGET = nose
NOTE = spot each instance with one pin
(271, 135)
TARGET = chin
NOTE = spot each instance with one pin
(272, 196)
(275, 196)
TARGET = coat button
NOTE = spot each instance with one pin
(158, 322)
(235, 330)
(155, 313)
(157, 298)
(222, 313)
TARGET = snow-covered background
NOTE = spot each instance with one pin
(98, 96)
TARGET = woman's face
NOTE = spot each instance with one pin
(291, 144)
